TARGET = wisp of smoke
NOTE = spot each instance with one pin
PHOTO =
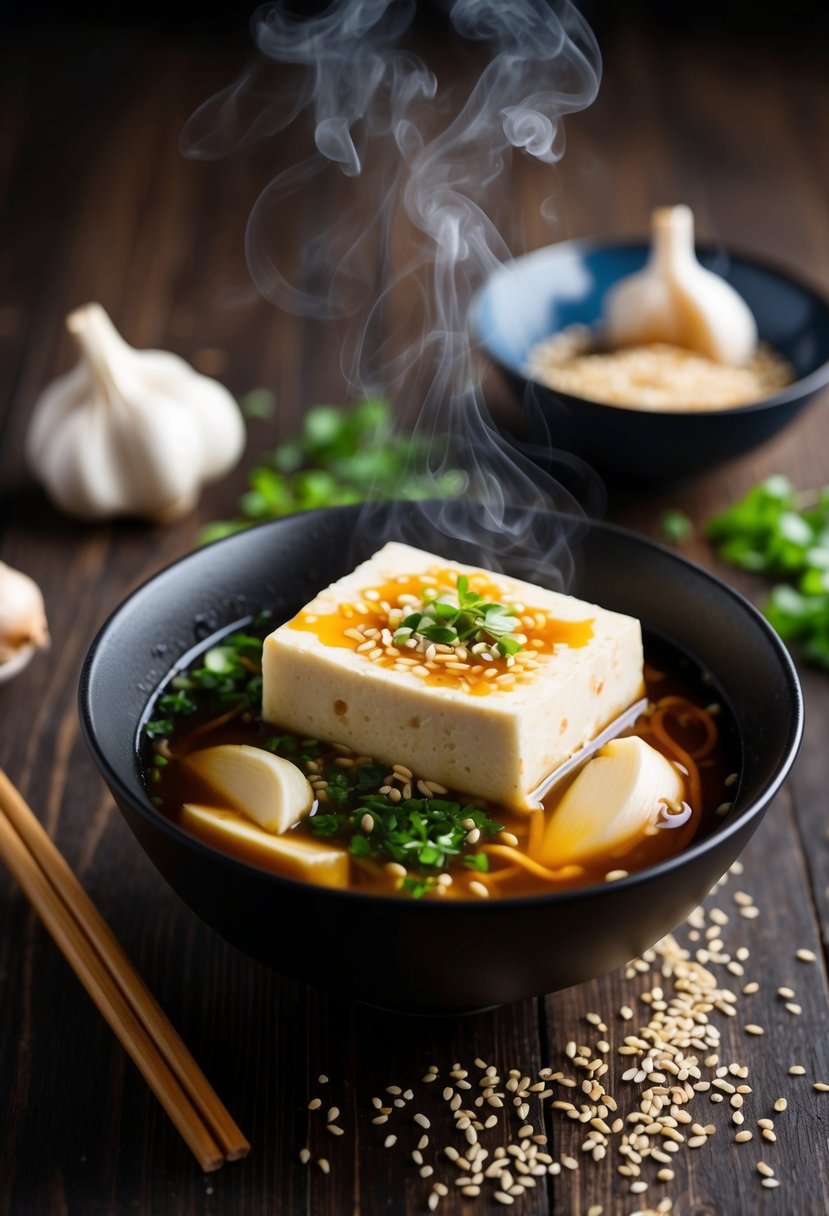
(373, 105)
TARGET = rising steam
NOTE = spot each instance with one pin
(380, 131)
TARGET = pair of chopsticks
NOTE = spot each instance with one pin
(106, 973)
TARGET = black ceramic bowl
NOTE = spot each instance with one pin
(429, 956)
(533, 297)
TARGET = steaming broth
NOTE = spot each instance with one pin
(677, 724)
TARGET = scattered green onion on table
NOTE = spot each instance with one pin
(343, 455)
(778, 531)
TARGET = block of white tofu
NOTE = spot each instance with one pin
(498, 747)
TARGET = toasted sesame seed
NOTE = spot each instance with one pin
(780, 1105)
(786, 993)
(750, 989)
(797, 1070)
(333, 1113)
(389, 1141)
(753, 1028)
(478, 888)
(503, 1197)
(793, 1007)
(305, 1155)
(615, 875)
(764, 1169)
(743, 1137)
(324, 1164)
(315, 1104)
(770, 1183)
(638, 1187)
(821, 1087)
(750, 912)
(334, 1130)
(805, 956)
(421, 1120)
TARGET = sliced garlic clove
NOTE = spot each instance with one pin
(265, 788)
(676, 300)
(310, 860)
(617, 794)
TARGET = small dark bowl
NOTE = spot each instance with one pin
(533, 297)
(429, 956)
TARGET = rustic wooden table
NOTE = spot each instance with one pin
(98, 203)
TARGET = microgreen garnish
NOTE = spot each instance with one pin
(775, 530)
(463, 618)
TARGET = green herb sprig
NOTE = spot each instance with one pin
(342, 455)
(465, 619)
(775, 530)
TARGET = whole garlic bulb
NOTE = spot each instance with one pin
(23, 625)
(130, 432)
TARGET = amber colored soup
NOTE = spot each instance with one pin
(685, 721)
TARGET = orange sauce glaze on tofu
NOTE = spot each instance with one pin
(355, 624)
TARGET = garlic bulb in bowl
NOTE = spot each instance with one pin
(130, 432)
(23, 627)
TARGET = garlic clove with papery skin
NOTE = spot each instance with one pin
(130, 432)
(676, 300)
(23, 627)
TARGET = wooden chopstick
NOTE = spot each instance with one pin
(123, 998)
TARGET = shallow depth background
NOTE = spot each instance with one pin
(714, 107)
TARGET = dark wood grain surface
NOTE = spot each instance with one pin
(96, 202)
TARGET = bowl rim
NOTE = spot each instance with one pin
(803, 387)
(140, 802)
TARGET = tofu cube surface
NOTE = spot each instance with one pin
(499, 746)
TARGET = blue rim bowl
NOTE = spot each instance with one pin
(435, 956)
(535, 296)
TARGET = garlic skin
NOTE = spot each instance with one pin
(23, 627)
(676, 300)
(130, 432)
